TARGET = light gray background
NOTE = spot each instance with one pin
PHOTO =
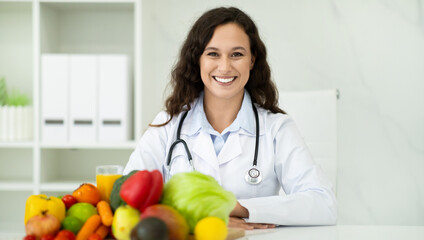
(372, 51)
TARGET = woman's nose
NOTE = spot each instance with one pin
(224, 65)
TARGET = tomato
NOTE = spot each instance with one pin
(65, 235)
(47, 237)
(69, 200)
(29, 237)
(95, 236)
(61, 238)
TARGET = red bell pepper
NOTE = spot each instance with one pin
(156, 192)
(142, 189)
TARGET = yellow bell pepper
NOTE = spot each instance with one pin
(36, 204)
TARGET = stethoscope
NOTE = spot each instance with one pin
(253, 175)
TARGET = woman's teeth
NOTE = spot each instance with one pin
(224, 80)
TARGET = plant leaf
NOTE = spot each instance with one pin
(3, 91)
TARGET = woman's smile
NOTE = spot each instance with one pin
(224, 80)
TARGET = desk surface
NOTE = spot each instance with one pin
(341, 232)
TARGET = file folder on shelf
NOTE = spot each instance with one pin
(114, 98)
(83, 98)
(54, 97)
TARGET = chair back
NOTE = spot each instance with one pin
(315, 114)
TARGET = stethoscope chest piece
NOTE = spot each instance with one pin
(253, 176)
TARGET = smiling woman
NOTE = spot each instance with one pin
(225, 68)
(226, 58)
(223, 103)
(186, 81)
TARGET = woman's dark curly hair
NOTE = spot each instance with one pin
(186, 81)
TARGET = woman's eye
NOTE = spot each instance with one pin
(212, 54)
(237, 54)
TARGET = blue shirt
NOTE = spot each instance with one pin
(244, 119)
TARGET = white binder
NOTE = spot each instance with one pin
(83, 95)
(114, 98)
(54, 97)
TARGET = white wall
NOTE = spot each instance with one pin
(16, 47)
(372, 51)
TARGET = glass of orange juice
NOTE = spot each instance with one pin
(106, 176)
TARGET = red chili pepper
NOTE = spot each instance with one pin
(142, 189)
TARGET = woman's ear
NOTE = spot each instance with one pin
(252, 63)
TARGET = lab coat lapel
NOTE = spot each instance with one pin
(205, 151)
(231, 149)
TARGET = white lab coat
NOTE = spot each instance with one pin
(283, 159)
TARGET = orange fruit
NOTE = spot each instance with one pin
(87, 193)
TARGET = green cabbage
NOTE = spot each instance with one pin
(195, 196)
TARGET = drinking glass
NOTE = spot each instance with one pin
(106, 176)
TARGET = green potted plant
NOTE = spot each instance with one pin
(3, 92)
(17, 99)
(15, 115)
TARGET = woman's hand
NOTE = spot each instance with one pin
(236, 222)
(236, 219)
(239, 211)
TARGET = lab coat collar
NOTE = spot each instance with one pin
(231, 149)
(197, 120)
(205, 152)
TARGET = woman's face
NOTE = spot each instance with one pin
(226, 62)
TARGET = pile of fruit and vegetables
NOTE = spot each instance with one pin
(141, 208)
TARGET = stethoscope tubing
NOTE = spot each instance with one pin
(255, 157)
(257, 178)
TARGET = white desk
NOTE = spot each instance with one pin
(341, 232)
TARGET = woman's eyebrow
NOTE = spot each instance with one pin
(211, 48)
(239, 48)
(234, 48)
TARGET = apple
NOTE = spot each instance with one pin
(177, 225)
(43, 224)
(82, 211)
(124, 220)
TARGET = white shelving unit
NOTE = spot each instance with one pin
(28, 29)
